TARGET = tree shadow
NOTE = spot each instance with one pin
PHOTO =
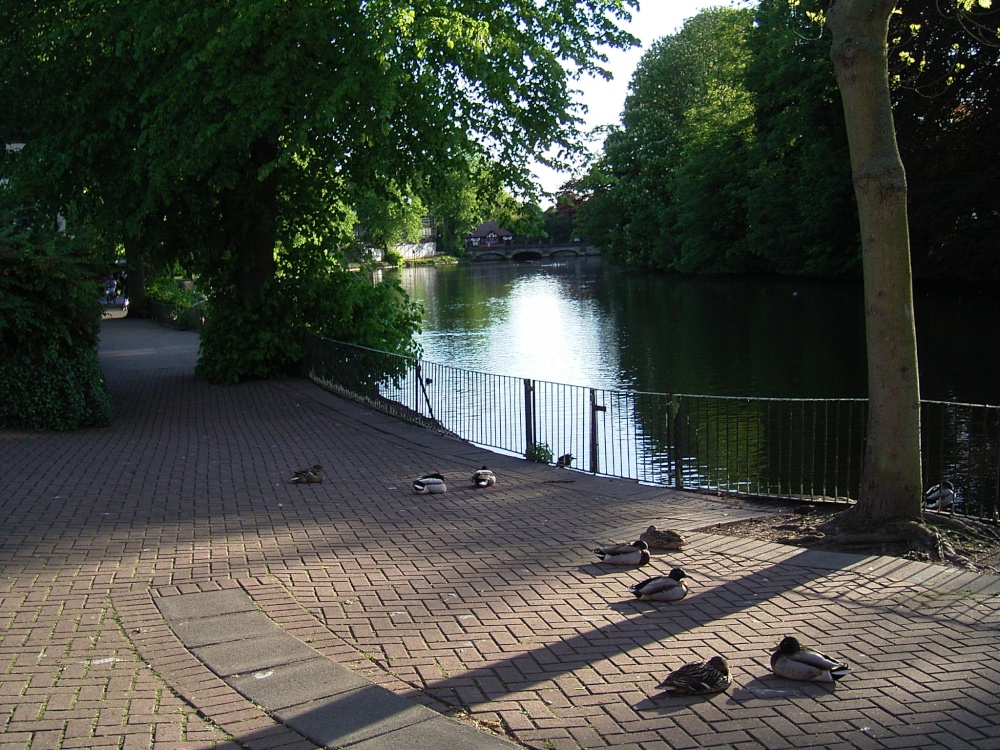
(644, 625)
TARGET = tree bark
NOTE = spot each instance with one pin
(891, 478)
(136, 269)
(252, 219)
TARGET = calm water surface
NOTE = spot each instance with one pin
(586, 323)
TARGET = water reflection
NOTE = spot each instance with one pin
(581, 322)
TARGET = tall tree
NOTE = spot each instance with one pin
(944, 69)
(686, 113)
(248, 124)
(801, 214)
(891, 478)
(891, 481)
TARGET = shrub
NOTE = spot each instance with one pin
(540, 453)
(259, 338)
(50, 315)
(393, 257)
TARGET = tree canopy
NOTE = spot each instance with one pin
(252, 133)
(732, 154)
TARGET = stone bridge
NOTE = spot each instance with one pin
(531, 252)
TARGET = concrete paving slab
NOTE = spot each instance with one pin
(204, 604)
(204, 631)
(368, 714)
(296, 683)
(253, 654)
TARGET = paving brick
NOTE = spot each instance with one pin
(485, 601)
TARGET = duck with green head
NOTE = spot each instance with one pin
(668, 588)
(636, 553)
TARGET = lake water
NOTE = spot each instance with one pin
(583, 322)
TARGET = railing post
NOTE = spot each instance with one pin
(595, 462)
(529, 416)
(676, 445)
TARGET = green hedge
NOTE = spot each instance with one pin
(63, 393)
(50, 316)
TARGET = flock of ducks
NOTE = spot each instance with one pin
(789, 659)
(428, 484)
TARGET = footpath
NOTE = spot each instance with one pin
(163, 585)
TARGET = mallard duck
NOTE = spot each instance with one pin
(668, 588)
(698, 678)
(791, 660)
(430, 484)
(662, 538)
(483, 477)
(940, 497)
(564, 460)
(313, 475)
(636, 553)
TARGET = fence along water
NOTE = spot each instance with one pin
(808, 449)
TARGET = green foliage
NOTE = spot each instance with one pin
(50, 317)
(348, 306)
(945, 70)
(53, 391)
(250, 338)
(246, 133)
(801, 215)
(166, 290)
(465, 197)
(686, 127)
(733, 156)
(392, 257)
(262, 337)
(540, 453)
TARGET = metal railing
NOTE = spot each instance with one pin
(784, 448)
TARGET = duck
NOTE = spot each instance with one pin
(668, 588)
(662, 538)
(792, 660)
(564, 461)
(313, 475)
(636, 553)
(940, 497)
(483, 477)
(430, 484)
(699, 678)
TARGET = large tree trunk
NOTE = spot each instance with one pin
(253, 207)
(136, 256)
(891, 481)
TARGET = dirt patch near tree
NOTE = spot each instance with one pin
(976, 546)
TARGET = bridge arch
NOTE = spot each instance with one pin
(488, 255)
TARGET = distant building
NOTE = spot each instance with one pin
(426, 247)
(489, 234)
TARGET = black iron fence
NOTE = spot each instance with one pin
(785, 448)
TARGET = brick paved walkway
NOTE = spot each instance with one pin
(483, 605)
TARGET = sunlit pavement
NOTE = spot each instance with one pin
(484, 605)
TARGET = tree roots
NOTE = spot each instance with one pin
(921, 537)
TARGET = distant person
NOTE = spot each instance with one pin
(111, 289)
